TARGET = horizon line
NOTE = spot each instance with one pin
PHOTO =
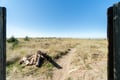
(61, 37)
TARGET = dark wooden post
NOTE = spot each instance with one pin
(114, 42)
(110, 44)
(2, 43)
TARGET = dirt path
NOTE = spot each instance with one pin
(65, 61)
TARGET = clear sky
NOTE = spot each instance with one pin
(57, 18)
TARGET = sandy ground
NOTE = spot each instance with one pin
(65, 61)
(67, 73)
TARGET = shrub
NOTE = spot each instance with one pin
(14, 42)
(26, 38)
(12, 39)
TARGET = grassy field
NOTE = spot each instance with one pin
(89, 61)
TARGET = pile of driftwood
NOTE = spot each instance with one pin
(35, 59)
(38, 59)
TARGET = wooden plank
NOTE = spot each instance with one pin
(110, 43)
(2, 43)
(114, 42)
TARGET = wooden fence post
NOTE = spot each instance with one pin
(114, 42)
(2, 43)
(110, 43)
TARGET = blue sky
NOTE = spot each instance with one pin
(57, 18)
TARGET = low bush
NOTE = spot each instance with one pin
(12, 40)
(26, 38)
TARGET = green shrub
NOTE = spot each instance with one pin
(12, 39)
(14, 42)
(26, 38)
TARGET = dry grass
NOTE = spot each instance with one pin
(89, 57)
(90, 60)
(53, 47)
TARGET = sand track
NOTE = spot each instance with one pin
(64, 62)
